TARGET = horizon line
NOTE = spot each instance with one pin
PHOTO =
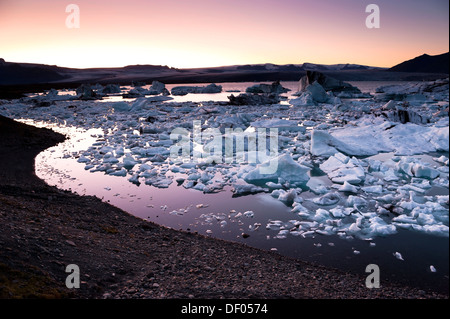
(218, 66)
(195, 67)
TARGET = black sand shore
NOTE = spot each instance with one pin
(43, 229)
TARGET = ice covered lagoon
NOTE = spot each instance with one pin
(343, 217)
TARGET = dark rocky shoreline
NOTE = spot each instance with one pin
(43, 229)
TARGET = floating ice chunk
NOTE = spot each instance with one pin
(243, 189)
(414, 167)
(121, 107)
(442, 199)
(194, 176)
(391, 105)
(437, 230)
(341, 169)
(425, 219)
(327, 199)
(160, 181)
(356, 202)
(389, 176)
(375, 136)
(333, 163)
(324, 144)
(199, 187)
(188, 165)
(443, 169)
(443, 160)
(317, 92)
(439, 138)
(425, 172)
(432, 269)
(83, 159)
(398, 256)
(274, 225)
(300, 209)
(184, 90)
(119, 151)
(110, 160)
(340, 212)
(289, 197)
(378, 227)
(139, 104)
(134, 179)
(188, 184)
(179, 212)
(347, 187)
(354, 229)
(376, 189)
(285, 168)
(280, 124)
(318, 189)
(214, 188)
(282, 234)
(353, 175)
(305, 99)
(123, 172)
(321, 215)
(274, 185)
(249, 214)
(129, 162)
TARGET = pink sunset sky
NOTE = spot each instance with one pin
(202, 33)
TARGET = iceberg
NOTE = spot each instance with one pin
(328, 83)
(184, 90)
(324, 144)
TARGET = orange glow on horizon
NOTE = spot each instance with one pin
(208, 33)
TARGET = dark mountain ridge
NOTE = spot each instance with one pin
(425, 63)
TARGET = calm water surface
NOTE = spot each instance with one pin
(206, 213)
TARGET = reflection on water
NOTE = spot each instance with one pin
(218, 215)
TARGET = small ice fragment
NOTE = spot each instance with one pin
(398, 255)
(249, 214)
(356, 252)
(327, 199)
(377, 189)
(347, 187)
(274, 185)
(331, 244)
(432, 268)
(318, 245)
(254, 227)
(209, 231)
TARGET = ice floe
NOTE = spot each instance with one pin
(377, 175)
